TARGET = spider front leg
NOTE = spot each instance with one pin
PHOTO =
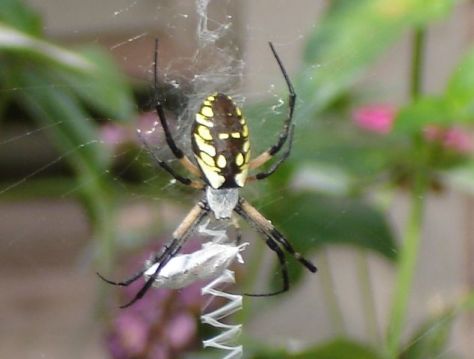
(197, 213)
(276, 165)
(287, 125)
(184, 180)
(177, 152)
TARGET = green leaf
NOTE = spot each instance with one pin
(430, 340)
(432, 337)
(425, 111)
(456, 105)
(14, 13)
(26, 48)
(360, 154)
(76, 137)
(73, 131)
(103, 87)
(310, 221)
(350, 36)
(336, 349)
(460, 89)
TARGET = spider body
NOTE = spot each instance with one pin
(220, 142)
(221, 148)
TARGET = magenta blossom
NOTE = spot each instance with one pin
(161, 325)
(454, 139)
(114, 135)
(375, 118)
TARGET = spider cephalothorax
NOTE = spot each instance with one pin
(221, 147)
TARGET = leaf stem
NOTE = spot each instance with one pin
(412, 237)
(416, 76)
(406, 266)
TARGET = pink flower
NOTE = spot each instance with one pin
(133, 332)
(454, 139)
(375, 118)
(181, 331)
(161, 325)
(113, 135)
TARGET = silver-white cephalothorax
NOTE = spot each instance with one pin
(222, 201)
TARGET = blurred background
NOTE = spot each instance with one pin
(377, 191)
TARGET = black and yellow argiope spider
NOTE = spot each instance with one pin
(221, 147)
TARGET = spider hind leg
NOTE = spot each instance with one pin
(283, 268)
(264, 226)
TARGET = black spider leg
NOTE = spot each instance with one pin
(167, 256)
(139, 274)
(194, 217)
(274, 247)
(291, 103)
(283, 268)
(280, 238)
(285, 132)
(177, 152)
(169, 139)
(184, 180)
(276, 165)
(246, 210)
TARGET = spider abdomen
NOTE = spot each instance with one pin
(220, 142)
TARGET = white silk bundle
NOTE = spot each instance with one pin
(211, 262)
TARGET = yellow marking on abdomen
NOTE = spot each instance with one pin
(235, 134)
(241, 177)
(203, 120)
(246, 146)
(215, 179)
(221, 161)
(207, 111)
(204, 133)
(245, 130)
(203, 146)
(223, 136)
(208, 160)
(239, 159)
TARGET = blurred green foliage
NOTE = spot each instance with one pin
(335, 349)
(64, 90)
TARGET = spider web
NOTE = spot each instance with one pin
(212, 60)
(223, 56)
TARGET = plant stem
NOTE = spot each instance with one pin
(406, 266)
(412, 237)
(368, 302)
(416, 75)
(330, 296)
